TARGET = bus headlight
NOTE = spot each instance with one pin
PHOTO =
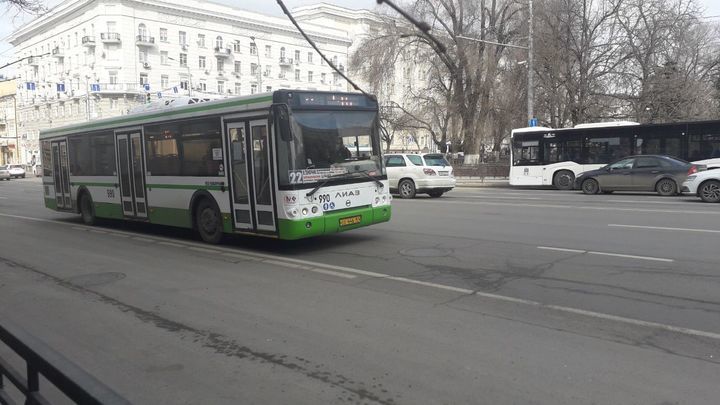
(377, 200)
(293, 212)
(314, 209)
(304, 211)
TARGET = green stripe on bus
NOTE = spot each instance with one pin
(330, 222)
(108, 210)
(51, 203)
(171, 216)
(91, 184)
(185, 187)
(166, 113)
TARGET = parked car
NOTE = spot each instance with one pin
(37, 170)
(663, 174)
(5, 173)
(16, 170)
(705, 185)
(410, 174)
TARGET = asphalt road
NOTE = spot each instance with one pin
(487, 296)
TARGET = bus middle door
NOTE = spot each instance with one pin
(131, 171)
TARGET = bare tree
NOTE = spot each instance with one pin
(24, 6)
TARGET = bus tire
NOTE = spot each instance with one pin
(564, 180)
(666, 187)
(709, 191)
(590, 186)
(87, 209)
(407, 188)
(208, 221)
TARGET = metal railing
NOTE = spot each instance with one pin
(144, 39)
(110, 36)
(40, 360)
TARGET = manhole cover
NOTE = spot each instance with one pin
(89, 280)
(426, 252)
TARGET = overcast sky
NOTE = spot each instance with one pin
(712, 8)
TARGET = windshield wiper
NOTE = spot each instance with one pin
(371, 177)
(322, 183)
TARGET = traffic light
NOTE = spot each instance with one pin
(147, 97)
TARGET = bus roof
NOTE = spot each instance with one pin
(531, 129)
(172, 111)
(606, 124)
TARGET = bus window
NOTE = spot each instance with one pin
(561, 151)
(704, 146)
(603, 150)
(526, 153)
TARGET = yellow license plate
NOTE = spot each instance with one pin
(350, 220)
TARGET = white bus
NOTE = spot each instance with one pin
(271, 164)
(554, 157)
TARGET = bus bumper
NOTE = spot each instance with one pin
(333, 222)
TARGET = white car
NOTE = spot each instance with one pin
(410, 174)
(16, 170)
(705, 184)
(4, 173)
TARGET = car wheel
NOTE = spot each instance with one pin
(209, 222)
(87, 210)
(710, 191)
(23, 176)
(564, 180)
(666, 187)
(590, 186)
(435, 194)
(407, 189)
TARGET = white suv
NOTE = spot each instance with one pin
(410, 174)
(705, 184)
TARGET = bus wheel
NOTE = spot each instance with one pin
(666, 187)
(209, 222)
(710, 191)
(564, 180)
(407, 189)
(590, 186)
(87, 211)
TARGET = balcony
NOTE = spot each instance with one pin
(114, 88)
(110, 37)
(144, 40)
(88, 41)
(222, 52)
(58, 53)
(33, 61)
(286, 62)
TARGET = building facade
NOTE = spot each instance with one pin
(9, 138)
(89, 59)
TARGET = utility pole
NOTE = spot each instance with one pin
(17, 136)
(531, 85)
(257, 53)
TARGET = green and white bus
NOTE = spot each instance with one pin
(275, 164)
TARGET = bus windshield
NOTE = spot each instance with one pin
(342, 144)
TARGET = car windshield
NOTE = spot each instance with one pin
(329, 144)
(435, 160)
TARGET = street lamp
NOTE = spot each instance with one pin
(259, 72)
(189, 75)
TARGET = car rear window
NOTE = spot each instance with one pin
(436, 160)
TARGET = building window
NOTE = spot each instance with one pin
(113, 104)
(220, 64)
(183, 59)
(322, 78)
(201, 40)
(268, 88)
(297, 56)
(163, 57)
(203, 85)
(253, 69)
(184, 84)
(268, 71)
(238, 87)
(182, 38)
(142, 31)
(297, 75)
(221, 87)
(282, 53)
(253, 88)
(253, 48)
(112, 77)
(143, 56)
(76, 39)
(236, 46)
(201, 62)
(163, 35)
(164, 81)
(310, 76)
(335, 60)
(143, 79)
(218, 42)
(268, 51)
(237, 66)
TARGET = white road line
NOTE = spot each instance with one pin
(97, 231)
(561, 249)
(321, 268)
(170, 244)
(140, 239)
(590, 252)
(655, 259)
(445, 202)
(664, 228)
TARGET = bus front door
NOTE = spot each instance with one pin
(250, 175)
(130, 174)
(61, 174)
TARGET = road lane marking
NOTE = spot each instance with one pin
(430, 201)
(173, 244)
(664, 228)
(623, 255)
(141, 239)
(322, 267)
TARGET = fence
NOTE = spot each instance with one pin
(482, 170)
(40, 360)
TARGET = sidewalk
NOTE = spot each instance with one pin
(472, 181)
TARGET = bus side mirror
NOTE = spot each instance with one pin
(282, 117)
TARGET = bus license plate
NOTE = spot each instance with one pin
(350, 220)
